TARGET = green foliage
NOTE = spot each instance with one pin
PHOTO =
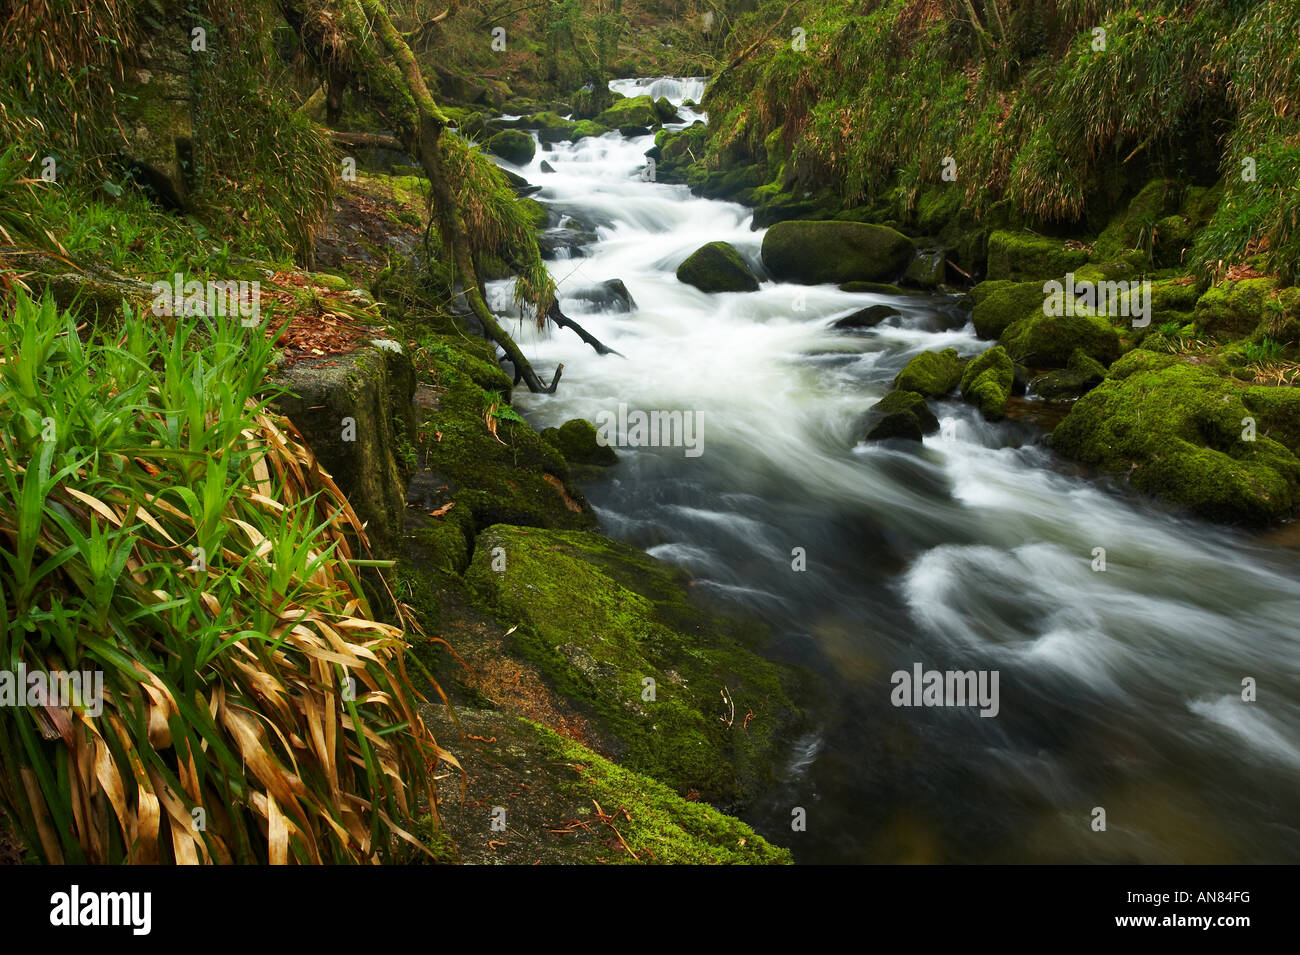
(159, 527)
(1028, 105)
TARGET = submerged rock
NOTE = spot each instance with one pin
(610, 295)
(868, 317)
(813, 252)
(902, 414)
(717, 267)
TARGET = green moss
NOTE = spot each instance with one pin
(1048, 341)
(837, 252)
(513, 476)
(902, 414)
(598, 618)
(513, 146)
(1179, 430)
(1001, 303)
(932, 374)
(660, 825)
(717, 267)
(578, 441)
(1232, 309)
(630, 111)
(587, 127)
(986, 382)
(1021, 256)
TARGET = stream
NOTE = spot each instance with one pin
(1119, 689)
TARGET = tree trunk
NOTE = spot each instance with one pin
(390, 78)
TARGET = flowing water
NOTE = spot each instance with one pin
(1119, 689)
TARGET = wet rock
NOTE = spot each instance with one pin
(932, 374)
(572, 241)
(902, 414)
(513, 146)
(579, 442)
(868, 317)
(717, 267)
(836, 252)
(610, 295)
(1177, 430)
(987, 382)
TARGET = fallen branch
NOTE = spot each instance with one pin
(562, 320)
(367, 140)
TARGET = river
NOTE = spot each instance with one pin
(1120, 689)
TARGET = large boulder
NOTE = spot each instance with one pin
(355, 411)
(1232, 309)
(987, 382)
(835, 252)
(901, 414)
(1022, 256)
(1001, 303)
(630, 111)
(1181, 431)
(717, 267)
(1048, 341)
(513, 146)
(932, 374)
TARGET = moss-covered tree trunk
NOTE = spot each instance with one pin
(359, 36)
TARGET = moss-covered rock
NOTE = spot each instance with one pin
(901, 414)
(355, 411)
(511, 476)
(1022, 256)
(579, 442)
(1001, 303)
(563, 782)
(987, 382)
(928, 270)
(1082, 374)
(1134, 227)
(1180, 431)
(600, 619)
(1048, 341)
(587, 127)
(837, 252)
(513, 146)
(1232, 309)
(932, 374)
(717, 267)
(630, 111)
(666, 111)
